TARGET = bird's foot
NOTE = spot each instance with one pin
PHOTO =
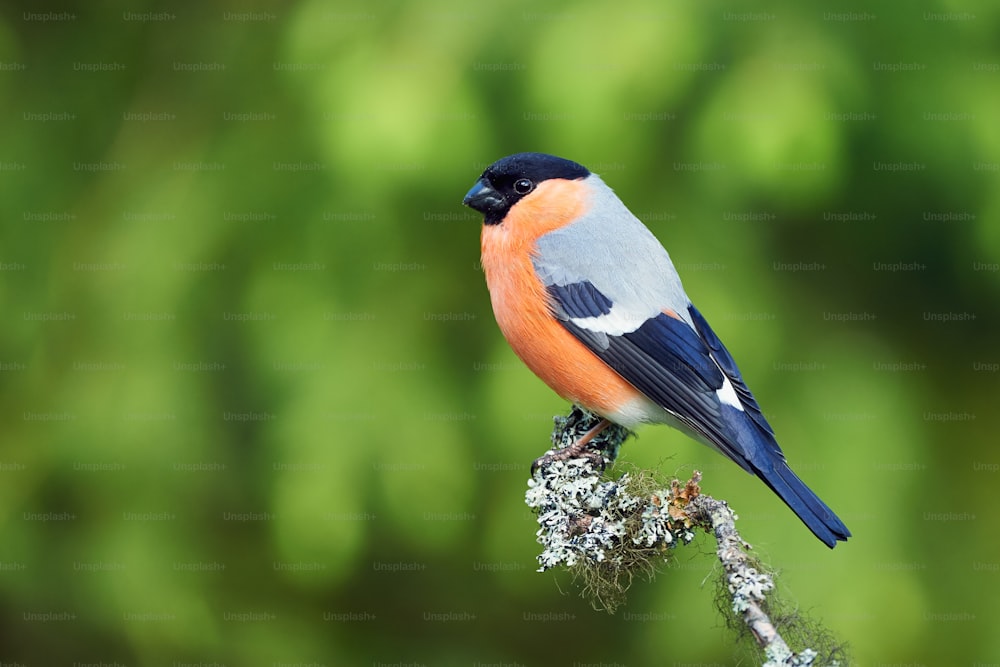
(582, 448)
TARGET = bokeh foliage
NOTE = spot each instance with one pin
(255, 409)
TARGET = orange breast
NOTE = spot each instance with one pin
(521, 302)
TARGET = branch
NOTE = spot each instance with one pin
(606, 531)
(747, 587)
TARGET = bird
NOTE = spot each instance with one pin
(590, 301)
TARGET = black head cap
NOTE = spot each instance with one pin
(509, 179)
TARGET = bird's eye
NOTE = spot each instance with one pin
(523, 186)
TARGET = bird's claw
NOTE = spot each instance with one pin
(577, 450)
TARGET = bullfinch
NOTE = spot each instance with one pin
(590, 301)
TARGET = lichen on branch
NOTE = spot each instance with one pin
(606, 531)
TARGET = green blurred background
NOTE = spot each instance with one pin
(256, 411)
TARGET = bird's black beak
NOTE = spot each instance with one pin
(483, 198)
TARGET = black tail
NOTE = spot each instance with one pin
(819, 518)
